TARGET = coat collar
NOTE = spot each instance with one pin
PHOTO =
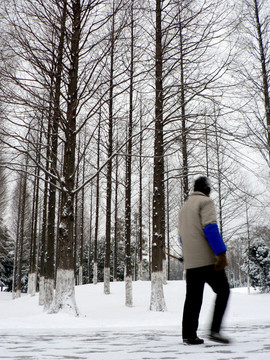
(198, 193)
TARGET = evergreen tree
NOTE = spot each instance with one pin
(6, 261)
(257, 265)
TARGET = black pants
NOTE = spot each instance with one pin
(195, 280)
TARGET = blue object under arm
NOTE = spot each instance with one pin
(214, 238)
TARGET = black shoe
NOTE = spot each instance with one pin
(193, 341)
(218, 338)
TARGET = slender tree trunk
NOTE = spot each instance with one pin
(109, 170)
(21, 231)
(183, 118)
(32, 276)
(43, 245)
(168, 226)
(206, 149)
(16, 249)
(90, 241)
(128, 274)
(157, 295)
(95, 272)
(76, 219)
(115, 258)
(219, 175)
(44, 232)
(82, 226)
(140, 205)
(150, 213)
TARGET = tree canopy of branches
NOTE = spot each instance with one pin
(108, 111)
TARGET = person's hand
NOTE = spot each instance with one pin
(221, 261)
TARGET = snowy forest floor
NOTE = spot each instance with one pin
(107, 330)
(252, 342)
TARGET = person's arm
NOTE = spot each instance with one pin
(212, 234)
(214, 238)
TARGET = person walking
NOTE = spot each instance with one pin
(204, 260)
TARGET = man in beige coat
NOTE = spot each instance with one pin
(204, 259)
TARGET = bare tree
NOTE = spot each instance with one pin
(60, 79)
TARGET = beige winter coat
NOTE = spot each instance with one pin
(197, 212)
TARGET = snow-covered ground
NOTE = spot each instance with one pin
(107, 330)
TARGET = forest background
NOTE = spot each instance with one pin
(109, 109)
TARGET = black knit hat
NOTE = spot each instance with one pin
(203, 185)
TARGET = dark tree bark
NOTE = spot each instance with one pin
(95, 272)
(81, 232)
(141, 203)
(44, 232)
(109, 165)
(50, 253)
(157, 296)
(128, 274)
(183, 118)
(115, 257)
(20, 231)
(65, 286)
(32, 276)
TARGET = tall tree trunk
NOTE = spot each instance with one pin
(50, 258)
(21, 229)
(95, 272)
(76, 219)
(65, 282)
(265, 76)
(128, 274)
(43, 242)
(32, 276)
(168, 223)
(206, 149)
(109, 169)
(219, 178)
(90, 240)
(140, 204)
(157, 295)
(44, 233)
(16, 248)
(82, 225)
(115, 257)
(183, 118)
(150, 213)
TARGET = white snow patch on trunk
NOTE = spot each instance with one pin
(41, 299)
(48, 293)
(80, 275)
(165, 275)
(64, 297)
(157, 295)
(107, 281)
(95, 276)
(140, 271)
(16, 294)
(128, 284)
(32, 278)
